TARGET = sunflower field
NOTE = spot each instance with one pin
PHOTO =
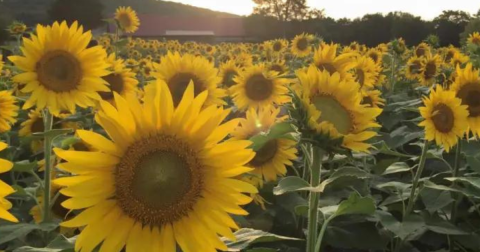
(112, 143)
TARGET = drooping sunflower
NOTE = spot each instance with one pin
(474, 38)
(467, 88)
(163, 179)
(127, 19)
(8, 110)
(59, 70)
(258, 87)
(334, 108)
(422, 49)
(430, 69)
(325, 58)
(414, 67)
(365, 71)
(301, 45)
(178, 70)
(121, 79)
(228, 71)
(445, 118)
(270, 160)
(5, 189)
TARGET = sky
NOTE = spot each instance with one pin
(427, 9)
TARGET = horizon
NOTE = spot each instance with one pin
(427, 9)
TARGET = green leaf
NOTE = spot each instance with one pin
(279, 130)
(387, 151)
(343, 172)
(435, 200)
(12, 232)
(397, 167)
(24, 166)
(247, 236)
(470, 180)
(474, 162)
(301, 210)
(394, 186)
(442, 226)
(412, 225)
(291, 184)
(53, 133)
(356, 204)
(363, 236)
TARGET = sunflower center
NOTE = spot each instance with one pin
(430, 70)
(374, 57)
(367, 100)
(449, 56)
(158, 180)
(443, 118)
(59, 71)
(333, 112)
(360, 78)
(179, 83)
(277, 46)
(116, 84)
(124, 20)
(327, 66)
(228, 78)
(476, 40)
(258, 88)
(37, 126)
(470, 95)
(277, 68)
(302, 44)
(414, 67)
(265, 154)
(420, 52)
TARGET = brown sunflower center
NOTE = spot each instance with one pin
(302, 44)
(476, 40)
(333, 112)
(360, 77)
(470, 95)
(179, 83)
(449, 56)
(158, 180)
(116, 84)
(37, 125)
(125, 20)
(430, 70)
(228, 77)
(277, 46)
(59, 71)
(420, 51)
(329, 67)
(374, 57)
(367, 100)
(265, 154)
(443, 118)
(415, 67)
(258, 88)
(277, 68)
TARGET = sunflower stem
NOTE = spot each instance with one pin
(316, 155)
(48, 122)
(322, 234)
(455, 172)
(421, 166)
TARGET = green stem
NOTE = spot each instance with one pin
(47, 120)
(322, 233)
(456, 169)
(421, 166)
(315, 169)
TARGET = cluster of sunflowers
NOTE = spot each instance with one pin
(157, 144)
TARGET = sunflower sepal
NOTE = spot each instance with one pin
(279, 130)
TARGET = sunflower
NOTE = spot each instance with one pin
(301, 45)
(376, 55)
(278, 66)
(474, 38)
(422, 50)
(325, 58)
(372, 98)
(17, 28)
(467, 88)
(272, 158)
(365, 71)
(334, 108)
(127, 19)
(5, 189)
(279, 45)
(430, 69)
(164, 179)
(1, 64)
(121, 80)
(449, 53)
(414, 67)
(59, 70)
(459, 59)
(8, 110)
(177, 71)
(228, 71)
(258, 87)
(244, 60)
(445, 118)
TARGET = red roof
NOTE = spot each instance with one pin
(153, 25)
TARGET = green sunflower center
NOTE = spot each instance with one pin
(329, 67)
(179, 83)
(116, 84)
(125, 20)
(158, 180)
(265, 154)
(302, 44)
(258, 88)
(470, 95)
(59, 71)
(333, 112)
(443, 118)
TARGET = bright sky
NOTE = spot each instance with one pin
(427, 9)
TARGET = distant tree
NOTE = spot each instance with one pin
(87, 12)
(472, 26)
(409, 27)
(449, 25)
(284, 10)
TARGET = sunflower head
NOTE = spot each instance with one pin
(8, 110)
(365, 71)
(278, 66)
(127, 19)
(430, 69)
(414, 67)
(372, 98)
(257, 86)
(121, 79)
(228, 71)
(326, 59)
(376, 55)
(459, 59)
(302, 45)
(422, 49)
(445, 118)
(59, 69)
(474, 39)
(17, 28)
(6, 189)
(333, 110)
